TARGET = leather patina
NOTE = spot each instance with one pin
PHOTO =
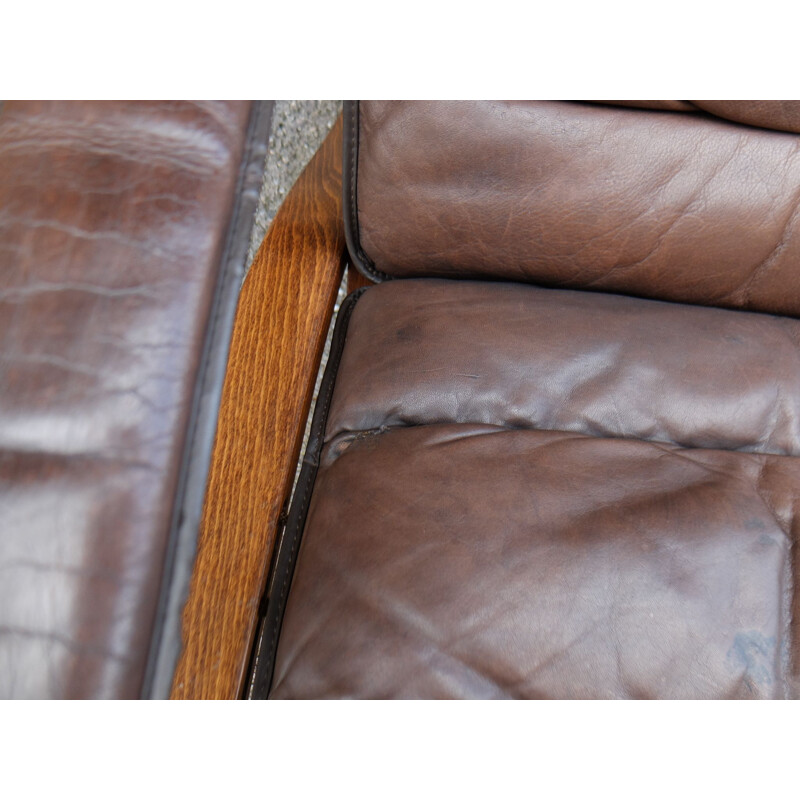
(124, 230)
(687, 207)
(493, 514)
(532, 492)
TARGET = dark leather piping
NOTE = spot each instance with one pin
(358, 257)
(285, 556)
(182, 541)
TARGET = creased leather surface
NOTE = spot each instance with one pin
(480, 562)
(447, 557)
(669, 205)
(778, 115)
(112, 220)
(520, 356)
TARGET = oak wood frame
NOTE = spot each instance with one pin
(282, 318)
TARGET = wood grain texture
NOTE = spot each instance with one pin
(281, 322)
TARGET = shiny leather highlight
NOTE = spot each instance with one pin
(523, 533)
(676, 206)
(521, 356)
(477, 562)
(113, 222)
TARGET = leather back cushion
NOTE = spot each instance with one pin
(681, 201)
(778, 115)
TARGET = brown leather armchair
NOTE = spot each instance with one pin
(554, 451)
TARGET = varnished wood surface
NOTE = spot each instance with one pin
(281, 322)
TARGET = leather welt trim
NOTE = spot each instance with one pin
(187, 508)
(285, 555)
(350, 187)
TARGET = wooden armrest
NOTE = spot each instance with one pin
(281, 322)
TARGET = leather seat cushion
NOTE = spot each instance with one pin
(526, 492)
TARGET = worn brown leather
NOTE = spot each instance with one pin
(778, 115)
(652, 105)
(481, 526)
(525, 357)
(677, 206)
(113, 218)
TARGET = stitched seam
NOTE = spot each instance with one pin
(365, 260)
